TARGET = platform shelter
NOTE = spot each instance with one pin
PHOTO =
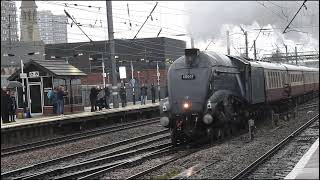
(39, 77)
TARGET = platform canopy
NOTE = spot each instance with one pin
(56, 68)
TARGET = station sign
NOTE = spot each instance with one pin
(34, 74)
(122, 71)
(23, 75)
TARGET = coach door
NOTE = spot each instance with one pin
(257, 85)
(35, 98)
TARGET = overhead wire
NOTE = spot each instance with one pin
(114, 16)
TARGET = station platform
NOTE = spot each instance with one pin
(40, 120)
(308, 165)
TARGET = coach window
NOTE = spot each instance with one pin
(272, 80)
(299, 77)
(277, 78)
(293, 78)
(269, 80)
(281, 79)
(289, 78)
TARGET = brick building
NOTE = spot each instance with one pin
(143, 53)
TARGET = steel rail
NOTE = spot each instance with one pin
(273, 150)
(94, 163)
(82, 153)
(92, 173)
(140, 174)
(73, 137)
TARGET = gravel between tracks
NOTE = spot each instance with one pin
(282, 162)
(32, 157)
(237, 153)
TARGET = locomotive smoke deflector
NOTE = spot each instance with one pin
(191, 55)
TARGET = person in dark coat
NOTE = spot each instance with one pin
(54, 100)
(107, 96)
(12, 107)
(60, 100)
(143, 94)
(93, 98)
(153, 93)
(4, 106)
(123, 95)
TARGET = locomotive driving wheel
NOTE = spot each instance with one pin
(173, 135)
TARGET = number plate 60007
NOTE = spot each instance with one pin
(188, 77)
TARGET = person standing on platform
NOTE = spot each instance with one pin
(153, 93)
(4, 106)
(251, 127)
(54, 100)
(93, 98)
(107, 96)
(60, 101)
(143, 94)
(98, 88)
(12, 106)
(52, 97)
(123, 95)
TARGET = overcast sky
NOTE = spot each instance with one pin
(206, 21)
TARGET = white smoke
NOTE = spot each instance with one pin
(211, 20)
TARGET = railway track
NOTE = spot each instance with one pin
(154, 168)
(104, 163)
(74, 137)
(309, 106)
(104, 155)
(248, 171)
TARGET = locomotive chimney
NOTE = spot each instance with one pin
(191, 55)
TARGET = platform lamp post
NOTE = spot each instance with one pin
(138, 76)
(22, 76)
(108, 74)
(158, 76)
(133, 81)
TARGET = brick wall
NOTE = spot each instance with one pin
(147, 76)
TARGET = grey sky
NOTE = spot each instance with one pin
(205, 20)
